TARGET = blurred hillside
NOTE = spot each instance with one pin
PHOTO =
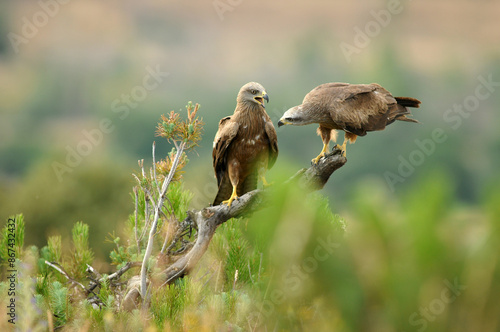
(95, 77)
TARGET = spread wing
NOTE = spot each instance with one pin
(273, 143)
(357, 108)
(228, 130)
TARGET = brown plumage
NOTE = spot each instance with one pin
(245, 145)
(354, 108)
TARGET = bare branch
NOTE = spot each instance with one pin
(208, 219)
(121, 271)
(149, 195)
(158, 207)
(154, 169)
(65, 274)
(135, 215)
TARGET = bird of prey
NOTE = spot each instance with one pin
(354, 108)
(245, 146)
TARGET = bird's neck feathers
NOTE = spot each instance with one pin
(248, 111)
(314, 115)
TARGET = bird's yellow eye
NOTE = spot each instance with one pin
(254, 92)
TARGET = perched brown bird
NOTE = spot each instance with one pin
(245, 145)
(353, 108)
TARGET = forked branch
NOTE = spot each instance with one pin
(208, 219)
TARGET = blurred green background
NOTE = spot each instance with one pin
(60, 78)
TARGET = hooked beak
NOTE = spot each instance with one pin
(265, 96)
(260, 99)
(282, 122)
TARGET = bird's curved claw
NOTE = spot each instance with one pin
(342, 149)
(316, 160)
(321, 154)
(230, 200)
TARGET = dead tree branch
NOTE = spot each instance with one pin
(161, 199)
(208, 219)
(59, 268)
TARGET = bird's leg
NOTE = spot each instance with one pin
(262, 166)
(264, 182)
(234, 176)
(348, 137)
(326, 135)
(343, 147)
(321, 154)
(232, 198)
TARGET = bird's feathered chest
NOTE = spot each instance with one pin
(251, 138)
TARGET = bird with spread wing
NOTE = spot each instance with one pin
(354, 108)
(245, 146)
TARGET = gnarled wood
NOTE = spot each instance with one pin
(208, 219)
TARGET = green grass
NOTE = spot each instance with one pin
(416, 261)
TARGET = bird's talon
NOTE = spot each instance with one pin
(233, 196)
(229, 201)
(316, 160)
(342, 149)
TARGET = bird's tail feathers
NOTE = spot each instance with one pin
(224, 191)
(404, 118)
(401, 111)
(408, 101)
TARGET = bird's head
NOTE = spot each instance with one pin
(294, 116)
(252, 93)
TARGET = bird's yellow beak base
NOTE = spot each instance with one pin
(283, 122)
(261, 98)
